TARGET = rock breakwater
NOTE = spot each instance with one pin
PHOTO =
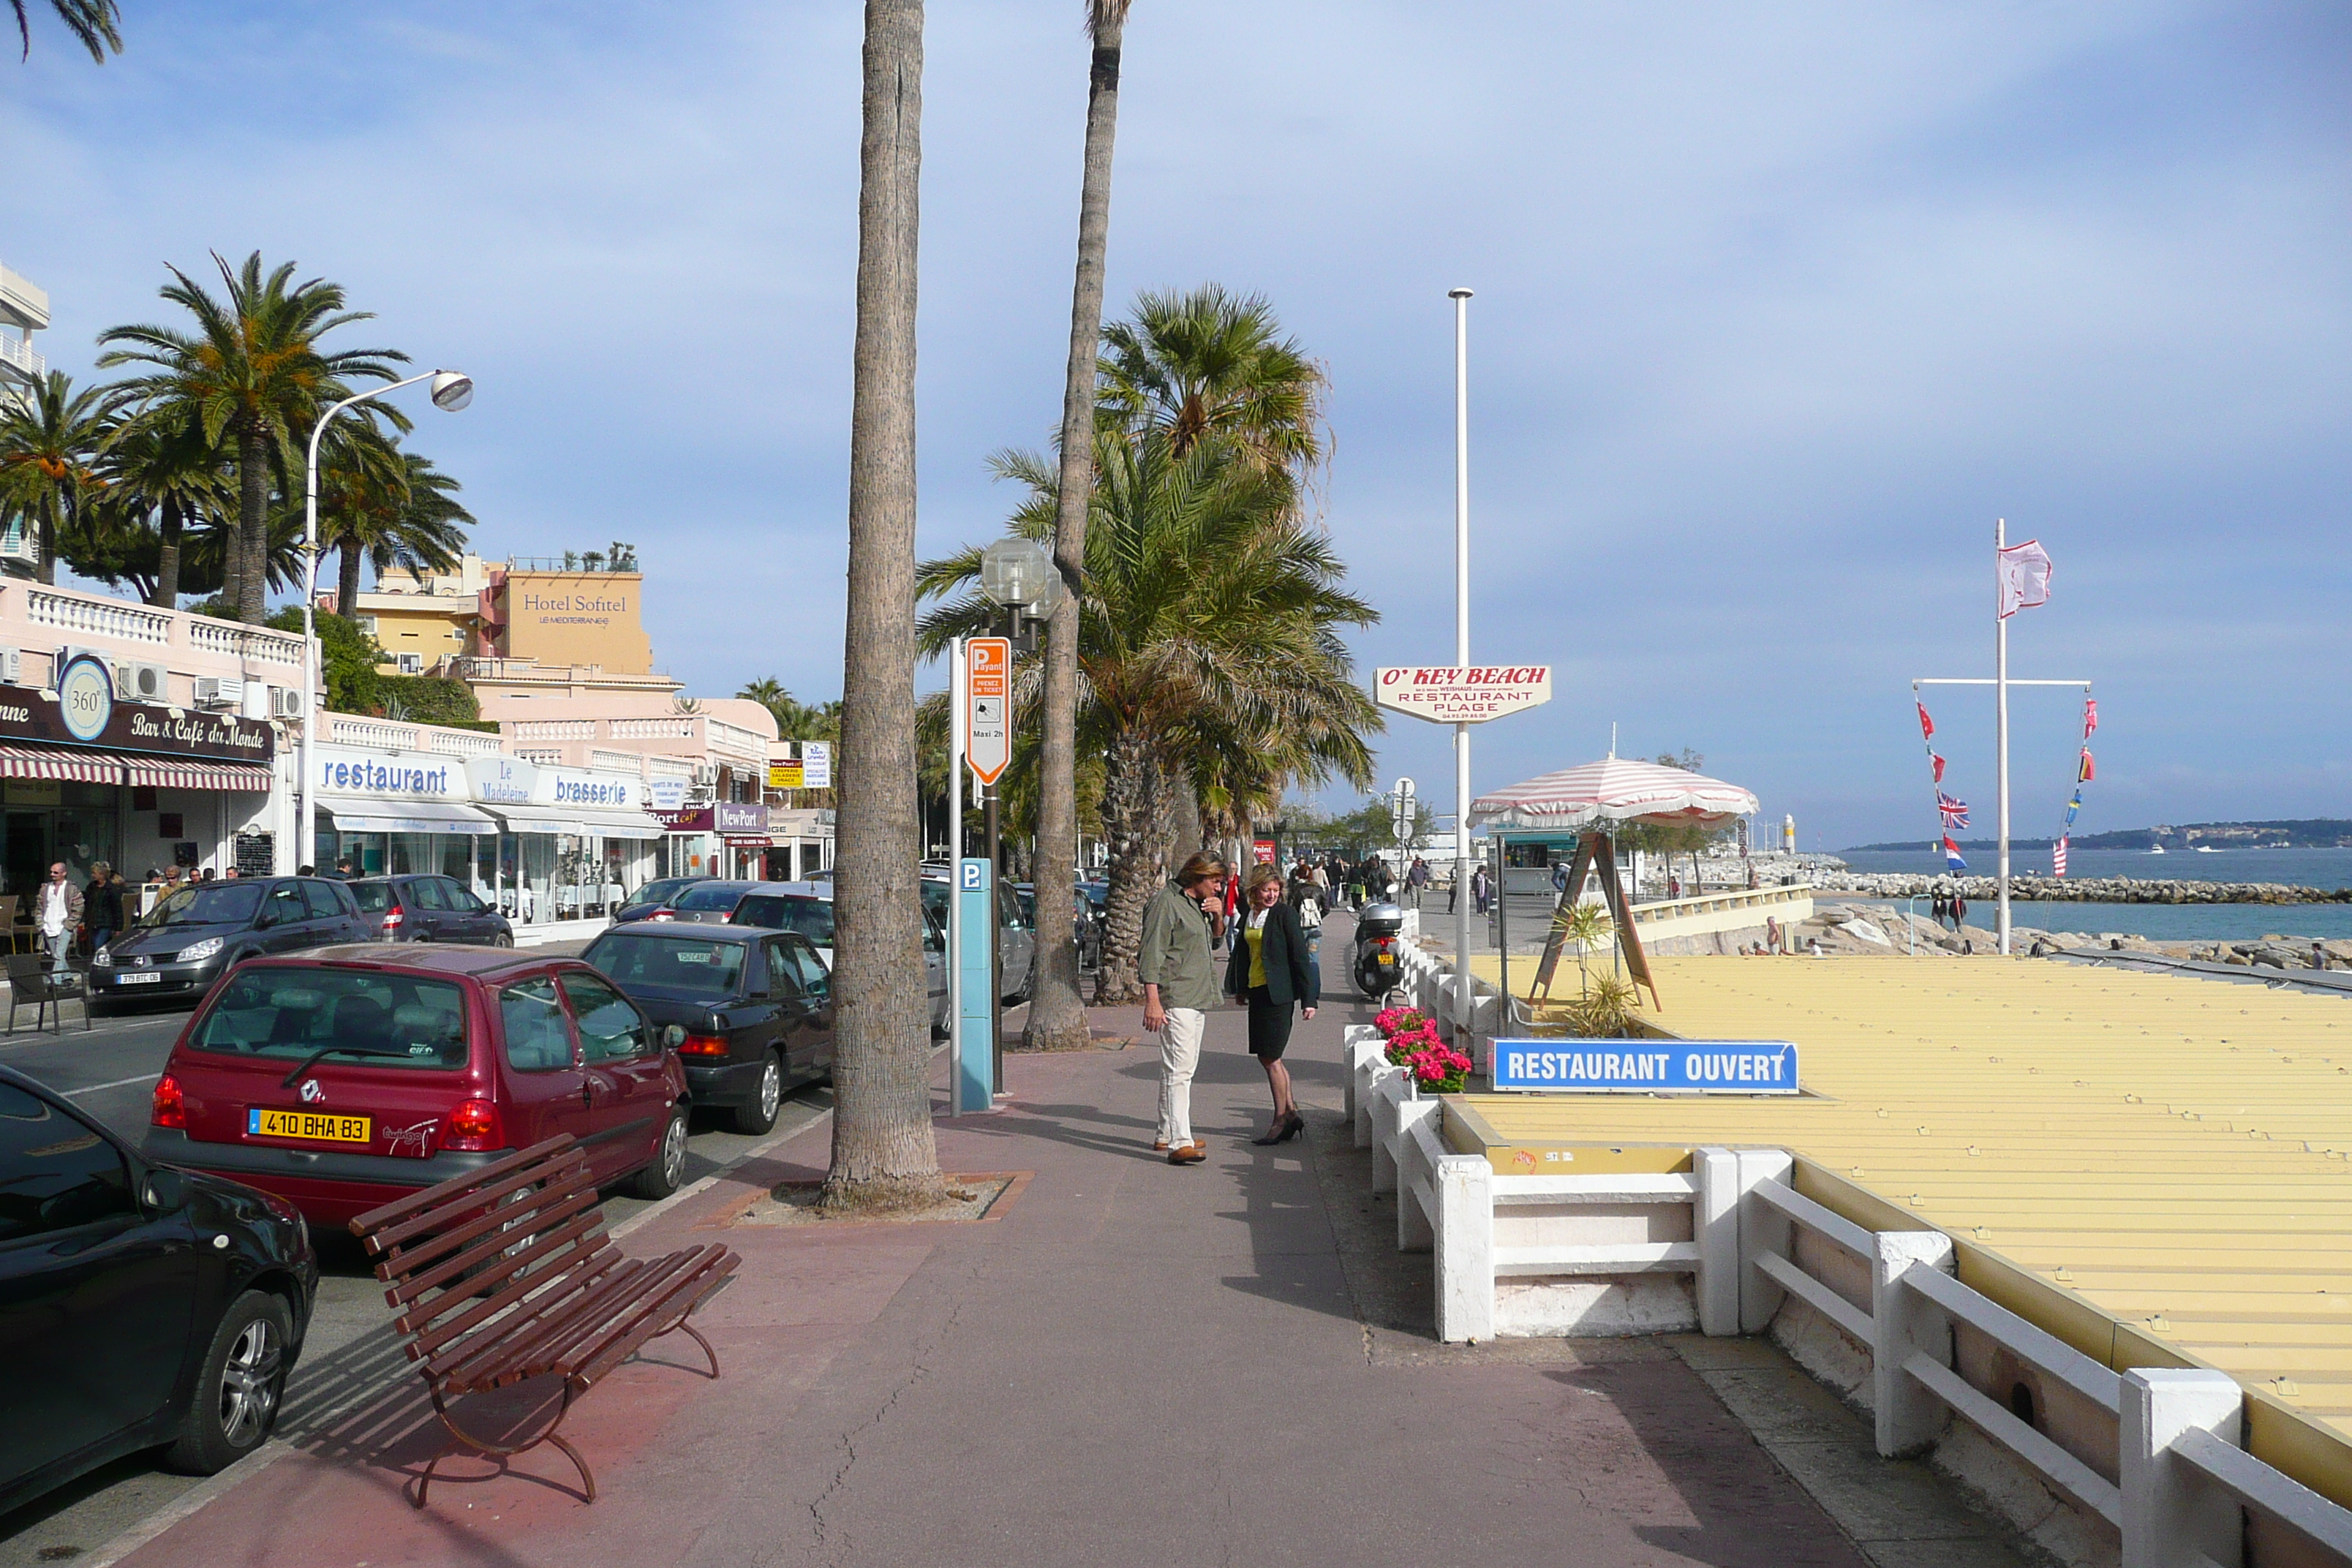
(2079, 890)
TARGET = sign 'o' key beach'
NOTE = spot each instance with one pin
(1460, 694)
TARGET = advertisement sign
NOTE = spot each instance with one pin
(37, 716)
(1262, 851)
(86, 699)
(411, 775)
(785, 775)
(728, 816)
(988, 710)
(579, 786)
(816, 763)
(665, 794)
(1457, 694)
(1647, 1067)
(501, 781)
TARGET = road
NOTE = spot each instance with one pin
(109, 1071)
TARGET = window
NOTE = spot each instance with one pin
(783, 975)
(374, 896)
(459, 899)
(814, 982)
(538, 1038)
(386, 1020)
(711, 896)
(56, 1170)
(321, 897)
(670, 966)
(286, 903)
(611, 1027)
(428, 894)
(813, 918)
(213, 904)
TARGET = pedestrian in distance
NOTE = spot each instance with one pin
(1481, 890)
(1271, 974)
(1307, 899)
(1180, 986)
(101, 915)
(60, 912)
(1416, 879)
(1560, 877)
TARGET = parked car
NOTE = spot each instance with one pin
(139, 1306)
(354, 1076)
(807, 908)
(654, 895)
(1019, 947)
(755, 1007)
(706, 903)
(428, 908)
(198, 933)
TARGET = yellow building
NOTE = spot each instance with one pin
(537, 610)
(423, 623)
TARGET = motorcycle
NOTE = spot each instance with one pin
(1379, 933)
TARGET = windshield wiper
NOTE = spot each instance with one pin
(317, 1056)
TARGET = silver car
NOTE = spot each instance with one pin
(706, 902)
(1017, 943)
(807, 908)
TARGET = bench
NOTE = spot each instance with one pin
(506, 1274)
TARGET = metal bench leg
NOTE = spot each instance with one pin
(466, 1439)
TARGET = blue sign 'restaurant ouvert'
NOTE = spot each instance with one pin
(1647, 1067)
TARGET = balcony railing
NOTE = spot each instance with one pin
(87, 616)
(650, 729)
(555, 729)
(463, 744)
(23, 358)
(233, 638)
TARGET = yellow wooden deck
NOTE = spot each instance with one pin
(2158, 1169)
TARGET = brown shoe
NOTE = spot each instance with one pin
(1159, 1145)
(1187, 1154)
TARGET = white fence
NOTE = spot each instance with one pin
(2159, 1458)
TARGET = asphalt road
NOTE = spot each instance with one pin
(109, 1071)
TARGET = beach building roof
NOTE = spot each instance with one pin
(1613, 790)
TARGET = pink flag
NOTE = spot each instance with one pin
(2090, 717)
(2058, 857)
(1939, 762)
(2023, 571)
(1926, 725)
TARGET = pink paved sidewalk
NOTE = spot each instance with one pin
(1132, 1359)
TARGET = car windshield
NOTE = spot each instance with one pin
(288, 1014)
(686, 967)
(374, 896)
(813, 918)
(655, 891)
(709, 895)
(216, 903)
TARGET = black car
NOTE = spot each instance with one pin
(198, 933)
(139, 1306)
(708, 901)
(756, 1007)
(656, 894)
(429, 908)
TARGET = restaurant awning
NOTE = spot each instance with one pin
(150, 772)
(538, 819)
(39, 762)
(406, 817)
(1602, 794)
(621, 823)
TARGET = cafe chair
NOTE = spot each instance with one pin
(30, 983)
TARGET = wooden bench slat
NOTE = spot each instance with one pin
(516, 1277)
(387, 1217)
(518, 1348)
(497, 1254)
(615, 1297)
(506, 1211)
(694, 1288)
(680, 1274)
(567, 1272)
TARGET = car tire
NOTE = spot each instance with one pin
(759, 1116)
(239, 1388)
(502, 938)
(667, 1172)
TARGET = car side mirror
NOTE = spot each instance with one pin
(673, 1036)
(167, 1191)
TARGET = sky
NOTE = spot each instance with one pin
(1778, 309)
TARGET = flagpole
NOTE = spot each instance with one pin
(1462, 990)
(2000, 726)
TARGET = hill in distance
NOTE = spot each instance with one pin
(2304, 833)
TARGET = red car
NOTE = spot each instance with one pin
(348, 1077)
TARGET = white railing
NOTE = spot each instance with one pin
(620, 762)
(2170, 1475)
(555, 729)
(235, 639)
(552, 759)
(350, 730)
(1709, 903)
(463, 744)
(738, 741)
(649, 729)
(97, 617)
(22, 356)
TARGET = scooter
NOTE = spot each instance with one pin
(1380, 933)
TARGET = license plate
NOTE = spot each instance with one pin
(139, 980)
(1387, 959)
(308, 1124)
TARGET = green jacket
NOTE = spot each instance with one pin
(1175, 952)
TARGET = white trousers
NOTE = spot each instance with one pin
(1180, 1054)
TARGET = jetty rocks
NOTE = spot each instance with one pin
(2079, 890)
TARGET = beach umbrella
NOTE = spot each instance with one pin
(1607, 792)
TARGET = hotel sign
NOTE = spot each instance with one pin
(29, 715)
(1647, 1067)
(1459, 694)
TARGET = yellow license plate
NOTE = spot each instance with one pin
(309, 1124)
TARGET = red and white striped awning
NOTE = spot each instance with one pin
(147, 773)
(38, 762)
(1612, 791)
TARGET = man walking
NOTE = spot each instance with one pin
(1180, 986)
(1416, 879)
(59, 914)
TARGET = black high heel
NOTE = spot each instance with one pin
(1275, 1134)
(1291, 1128)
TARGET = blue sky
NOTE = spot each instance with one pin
(1778, 308)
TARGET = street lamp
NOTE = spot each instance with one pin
(452, 390)
(1018, 574)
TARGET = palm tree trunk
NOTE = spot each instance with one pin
(45, 522)
(1130, 821)
(249, 590)
(883, 1150)
(1057, 1019)
(167, 557)
(347, 581)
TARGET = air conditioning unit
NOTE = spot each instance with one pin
(12, 666)
(285, 703)
(219, 691)
(706, 774)
(142, 683)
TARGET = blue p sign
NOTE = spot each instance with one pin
(971, 871)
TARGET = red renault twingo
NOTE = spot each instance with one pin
(348, 1077)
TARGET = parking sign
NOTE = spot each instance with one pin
(988, 719)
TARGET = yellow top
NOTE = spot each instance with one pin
(2153, 1167)
(1255, 932)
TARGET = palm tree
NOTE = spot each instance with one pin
(50, 447)
(1210, 627)
(1057, 1019)
(160, 464)
(90, 21)
(387, 508)
(1204, 363)
(883, 1150)
(253, 371)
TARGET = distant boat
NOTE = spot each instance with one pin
(2155, 849)
(2207, 849)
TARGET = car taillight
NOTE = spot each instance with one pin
(661, 915)
(391, 918)
(703, 1046)
(474, 1124)
(169, 1110)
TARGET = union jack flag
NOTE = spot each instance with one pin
(1955, 812)
(2058, 859)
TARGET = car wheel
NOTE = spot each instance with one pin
(666, 1174)
(238, 1390)
(502, 938)
(760, 1115)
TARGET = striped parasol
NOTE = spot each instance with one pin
(1603, 794)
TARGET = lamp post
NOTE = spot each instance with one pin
(1463, 1001)
(452, 390)
(1019, 576)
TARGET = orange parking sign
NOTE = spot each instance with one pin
(988, 706)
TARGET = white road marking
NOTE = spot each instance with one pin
(118, 1083)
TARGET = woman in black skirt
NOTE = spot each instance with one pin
(1273, 970)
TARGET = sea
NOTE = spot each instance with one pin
(2158, 922)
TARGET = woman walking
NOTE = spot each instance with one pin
(1271, 970)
